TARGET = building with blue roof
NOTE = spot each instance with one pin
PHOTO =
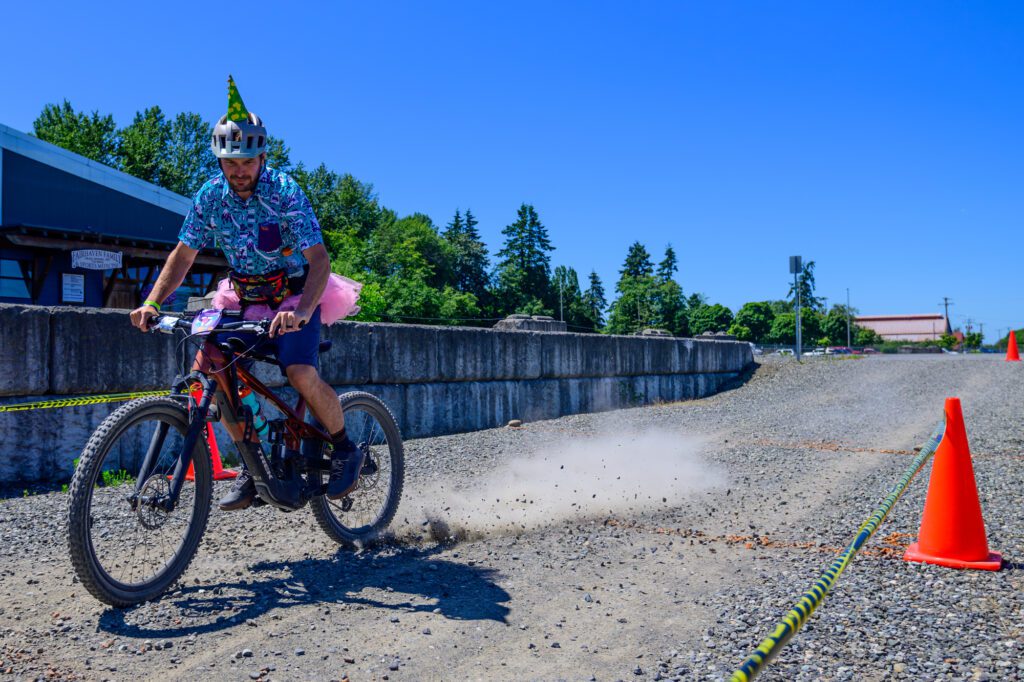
(77, 232)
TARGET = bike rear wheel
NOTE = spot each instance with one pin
(359, 518)
(124, 550)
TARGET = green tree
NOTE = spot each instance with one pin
(670, 306)
(594, 302)
(833, 325)
(806, 286)
(668, 297)
(696, 300)
(668, 267)
(278, 154)
(866, 337)
(784, 328)
(638, 263)
(757, 318)
(636, 307)
(710, 318)
(972, 340)
(947, 341)
(348, 212)
(741, 332)
(187, 161)
(142, 145)
(574, 308)
(405, 257)
(524, 272)
(469, 255)
(92, 136)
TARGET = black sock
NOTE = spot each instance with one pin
(341, 441)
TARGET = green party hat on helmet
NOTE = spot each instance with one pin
(236, 107)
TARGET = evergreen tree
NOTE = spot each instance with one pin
(572, 306)
(524, 273)
(594, 302)
(469, 256)
(636, 307)
(668, 297)
(638, 263)
(668, 267)
(92, 136)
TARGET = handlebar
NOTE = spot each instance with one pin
(166, 324)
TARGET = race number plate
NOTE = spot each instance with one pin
(206, 321)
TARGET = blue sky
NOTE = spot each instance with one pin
(882, 140)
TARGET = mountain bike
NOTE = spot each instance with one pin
(141, 493)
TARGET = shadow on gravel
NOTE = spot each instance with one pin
(461, 592)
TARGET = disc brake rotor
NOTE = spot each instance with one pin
(369, 475)
(151, 516)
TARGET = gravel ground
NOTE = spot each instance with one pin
(654, 543)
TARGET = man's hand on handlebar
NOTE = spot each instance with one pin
(288, 321)
(142, 316)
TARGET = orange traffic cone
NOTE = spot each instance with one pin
(1012, 354)
(219, 472)
(952, 529)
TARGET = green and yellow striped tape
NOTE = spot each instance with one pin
(812, 599)
(77, 402)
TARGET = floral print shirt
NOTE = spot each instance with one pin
(261, 234)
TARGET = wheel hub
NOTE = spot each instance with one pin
(149, 509)
(369, 475)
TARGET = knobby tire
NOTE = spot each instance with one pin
(95, 577)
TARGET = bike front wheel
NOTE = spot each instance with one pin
(361, 517)
(126, 547)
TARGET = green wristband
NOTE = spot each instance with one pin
(152, 303)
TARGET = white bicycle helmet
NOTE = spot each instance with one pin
(239, 139)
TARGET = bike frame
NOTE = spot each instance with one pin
(226, 376)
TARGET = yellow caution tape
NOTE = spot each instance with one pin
(76, 402)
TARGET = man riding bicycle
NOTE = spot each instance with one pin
(262, 221)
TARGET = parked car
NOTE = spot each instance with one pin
(837, 350)
(870, 351)
(784, 351)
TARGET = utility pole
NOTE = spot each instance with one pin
(795, 267)
(848, 344)
(981, 330)
(561, 317)
(946, 302)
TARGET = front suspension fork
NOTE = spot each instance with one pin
(196, 429)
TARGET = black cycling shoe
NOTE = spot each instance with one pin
(242, 493)
(346, 465)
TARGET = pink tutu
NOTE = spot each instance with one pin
(338, 301)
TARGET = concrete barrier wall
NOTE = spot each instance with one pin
(437, 380)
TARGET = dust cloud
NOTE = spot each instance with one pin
(583, 477)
